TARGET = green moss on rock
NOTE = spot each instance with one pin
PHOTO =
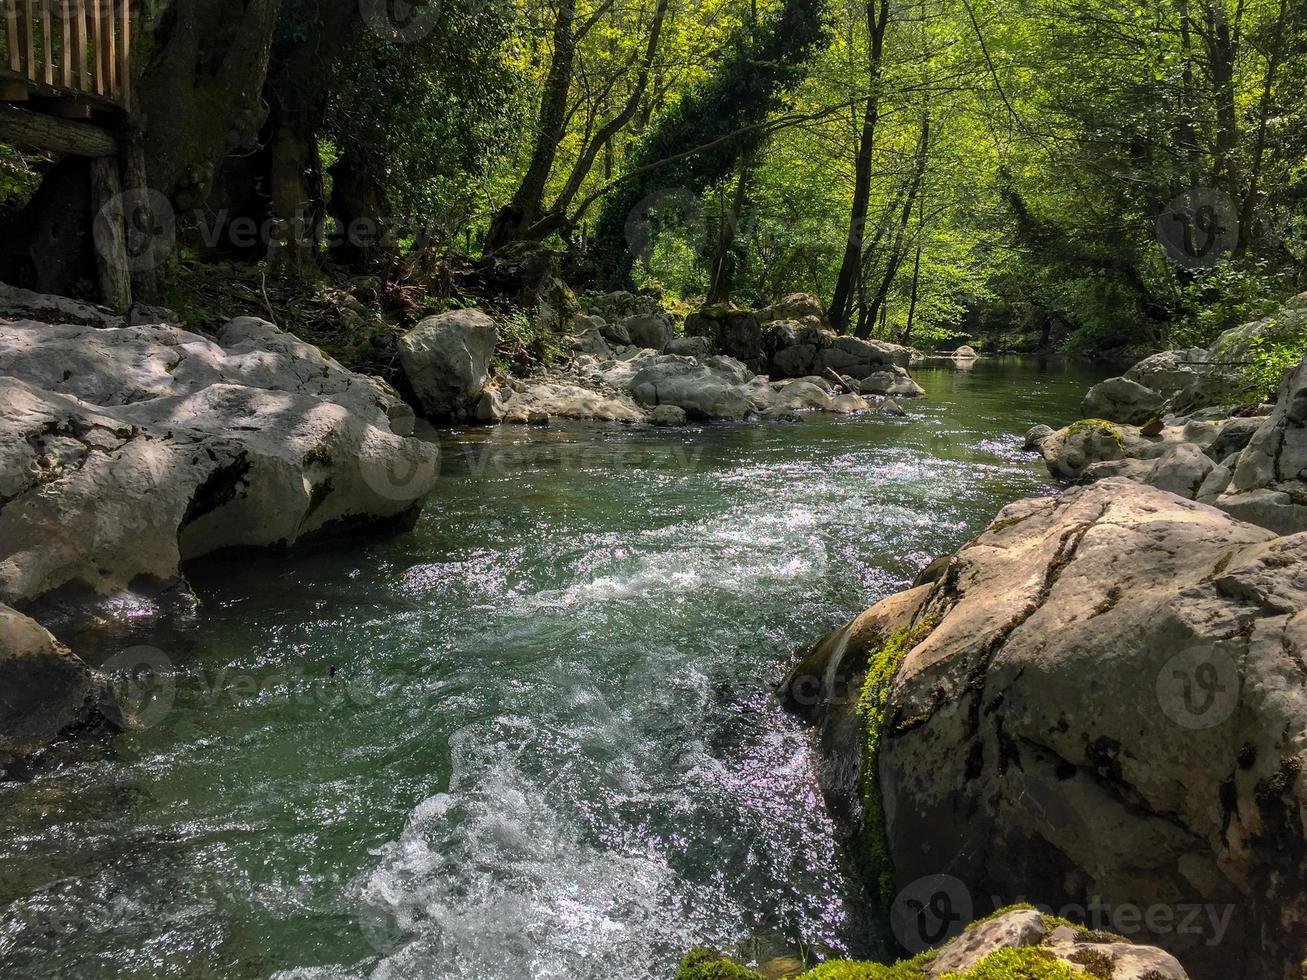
(882, 667)
(1098, 426)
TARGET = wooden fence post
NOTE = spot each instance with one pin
(110, 234)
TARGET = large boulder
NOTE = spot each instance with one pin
(558, 399)
(125, 451)
(446, 359)
(734, 333)
(1100, 701)
(858, 358)
(1269, 485)
(1171, 371)
(1122, 400)
(802, 307)
(703, 391)
(45, 690)
(653, 331)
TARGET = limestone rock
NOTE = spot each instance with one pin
(1122, 400)
(735, 333)
(1269, 485)
(1101, 698)
(617, 306)
(446, 359)
(1036, 436)
(796, 306)
(1171, 371)
(45, 690)
(1181, 471)
(689, 347)
(653, 331)
(568, 401)
(124, 451)
(668, 416)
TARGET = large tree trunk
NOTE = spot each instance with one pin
(201, 92)
(877, 20)
(524, 210)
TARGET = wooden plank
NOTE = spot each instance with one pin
(47, 44)
(125, 53)
(145, 274)
(46, 132)
(78, 7)
(29, 43)
(97, 46)
(110, 234)
(12, 36)
(110, 50)
(65, 43)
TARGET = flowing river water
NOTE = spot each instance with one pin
(534, 737)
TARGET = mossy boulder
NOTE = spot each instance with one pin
(1108, 706)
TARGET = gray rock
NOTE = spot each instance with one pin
(1036, 436)
(794, 362)
(559, 399)
(668, 416)
(796, 306)
(653, 331)
(615, 333)
(965, 353)
(124, 451)
(1181, 471)
(446, 359)
(45, 690)
(1171, 371)
(1122, 400)
(1233, 436)
(1042, 736)
(894, 382)
(1268, 486)
(702, 392)
(619, 305)
(689, 347)
(489, 408)
(1010, 930)
(735, 333)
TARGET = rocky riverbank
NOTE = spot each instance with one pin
(631, 364)
(130, 445)
(1100, 702)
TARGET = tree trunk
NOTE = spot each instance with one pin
(895, 258)
(877, 21)
(524, 210)
(1248, 213)
(723, 273)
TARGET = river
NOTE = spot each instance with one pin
(534, 737)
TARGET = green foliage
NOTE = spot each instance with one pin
(1225, 297)
(722, 116)
(20, 176)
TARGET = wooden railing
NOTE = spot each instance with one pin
(68, 48)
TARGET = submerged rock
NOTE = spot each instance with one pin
(1101, 700)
